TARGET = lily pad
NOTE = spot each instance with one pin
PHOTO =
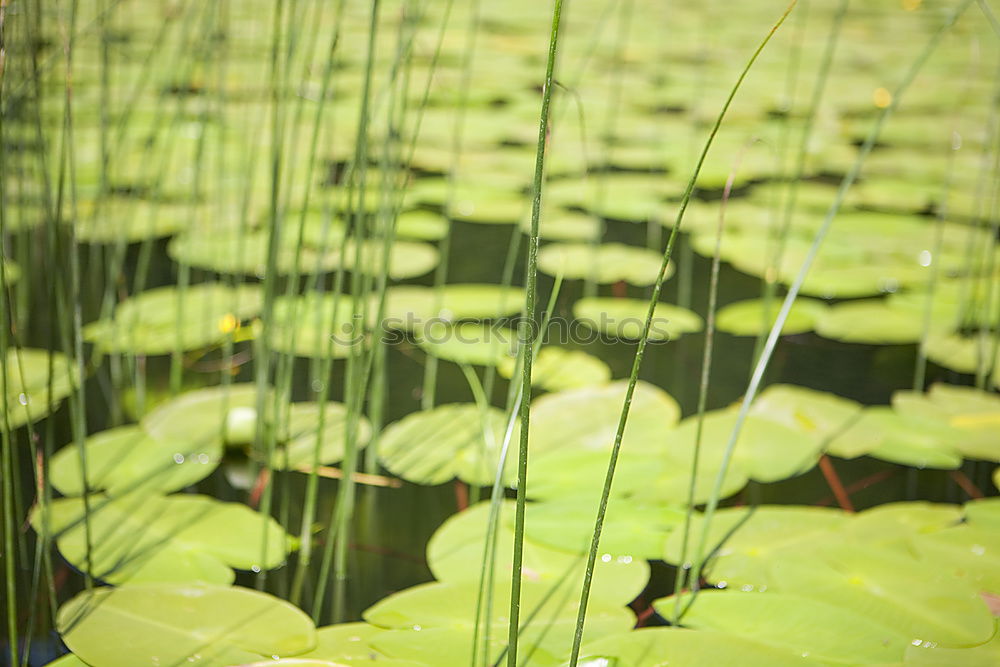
(870, 322)
(747, 318)
(801, 626)
(226, 413)
(655, 647)
(625, 318)
(457, 440)
(181, 624)
(468, 342)
(408, 307)
(300, 435)
(32, 393)
(163, 319)
(974, 413)
(915, 439)
(604, 263)
(148, 538)
(125, 459)
(556, 368)
(315, 325)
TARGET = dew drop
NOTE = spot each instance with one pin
(723, 584)
(178, 458)
(22, 398)
(925, 258)
(203, 458)
(606, 558)
(255, 568)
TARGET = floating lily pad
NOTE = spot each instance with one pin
(818, 414)
(653, 647)
(766, 450)
(149, 538)
(180, 624)
(226, 413)
(870, 322)
(752, 556)
(408, 307)
(891, 587)
(587, 418)
(435, 623)
(630, 528)
(301, 439)
(458, 440)
(455, 554)
(163, 319)
(604, 263)
(801, 626)
(747, 318)
(32, 393)
(112, 220)
(468, 342)
(125, 459)
(348, 643)
(625, 318)
(562, 225)
(961, 353)
(421, 225)
(556, 368)
(975, 413)
(315, 325)
(914, 439)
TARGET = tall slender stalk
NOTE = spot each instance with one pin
(643, 339)
(527, 331)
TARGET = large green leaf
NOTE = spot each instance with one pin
(916, 440)
(169, 624)
(456, 440)
(125, 459)
(974, 413)
(799, 625)
(456, 554)
(32, 392)
(625, 318)
(468, 342)
(605, 263)
(160, 320)
(658, 647)
(751, 318)
(556, 369)
(149, 538)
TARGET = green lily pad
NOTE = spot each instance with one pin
(556, 369)
(766, 450)
(421, 225)
(752, 556)
(633, 197)
(148, 538)
(655, 647)
(455, 555)
(456, 440)
(125, 459)
(586, 419)
(470, 202)
(180, 624)
(974, 413)
(349, 644)
(914, 439)
(562, 225)
(434, 623)
(226, 413)
(625, 318)
(604, 263)
(468, 342)
(820, 415)
(300, 435)
(315, 325)
(960, 353)
(891, 587)
(802, 626)
(113, 219)
(408, 307)
(631, 527)
(148, 323)
(870, 322)
(32, 393)
(747, 318)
